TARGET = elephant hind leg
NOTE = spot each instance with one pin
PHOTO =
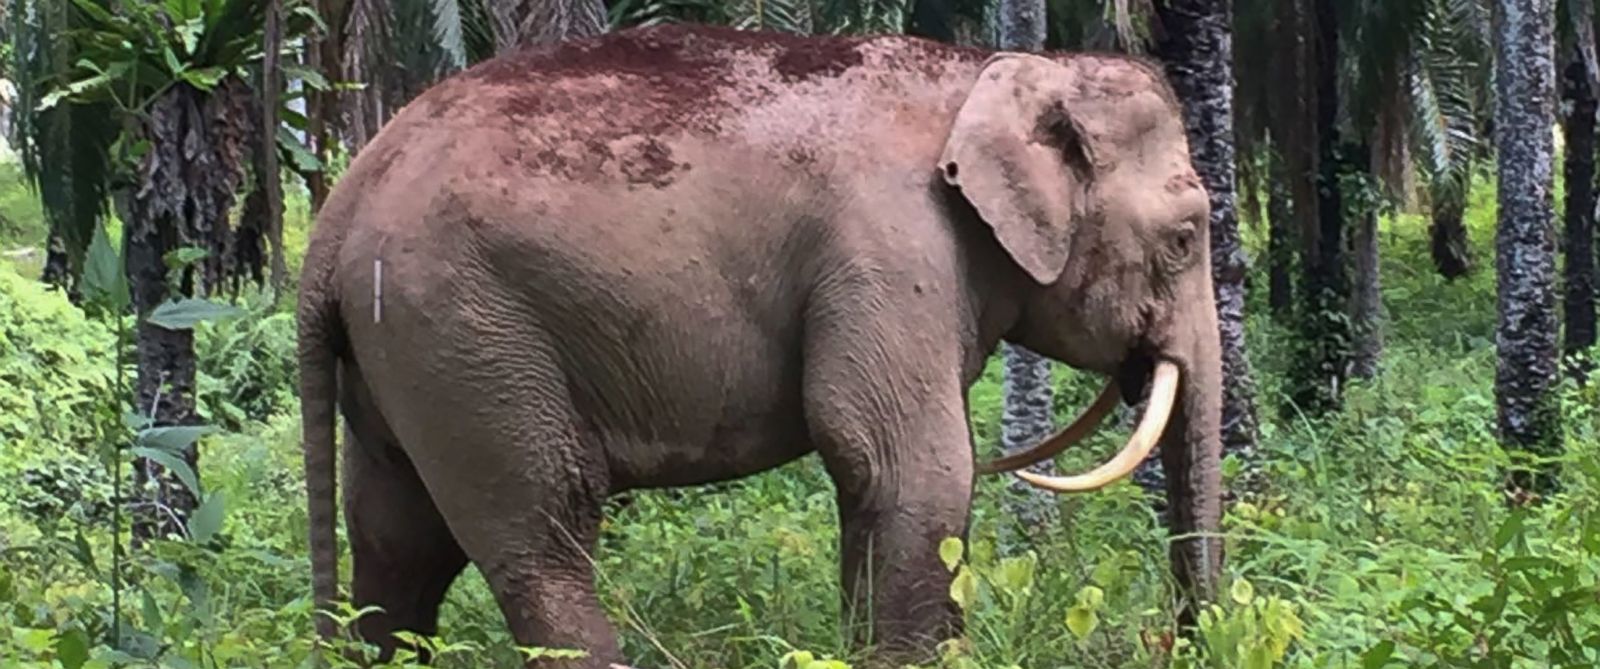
(499, 445)
(404, 556)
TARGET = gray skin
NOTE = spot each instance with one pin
(672, 256)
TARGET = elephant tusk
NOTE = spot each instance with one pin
(1058, 442)
(1163, 391)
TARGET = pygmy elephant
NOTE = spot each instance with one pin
(670, 256)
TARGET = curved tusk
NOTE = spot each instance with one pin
(1163, 391)
(1058, 442)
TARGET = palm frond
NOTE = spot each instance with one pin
(64, 149)
(1444, 80)
(790, 16)
(447, 32)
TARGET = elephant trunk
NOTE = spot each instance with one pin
(1191, 450)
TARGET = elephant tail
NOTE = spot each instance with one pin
(320, 335)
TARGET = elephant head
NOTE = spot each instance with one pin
(1081, 167)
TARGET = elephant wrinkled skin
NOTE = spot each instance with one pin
(670, 256)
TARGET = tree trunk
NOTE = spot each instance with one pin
(1027, 393)
(1452, 250)
(58, 265)
(1525, 244)
(1319, 370)
(270, 178)
(1579, 282)
(1280, 236)
(188, 180)
(1366, 301)
(1196, 44)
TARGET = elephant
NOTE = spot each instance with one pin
(678, 255)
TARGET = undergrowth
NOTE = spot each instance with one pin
(1380, 537)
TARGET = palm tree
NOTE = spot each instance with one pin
(1580, 80)
(1525, 245)
(161, 122)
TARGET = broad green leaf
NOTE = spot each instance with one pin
(72, 649)
(964, 589)
(184, 256)
(35, 641)
(83, 553)
(171, 58)
(798, 659)
(299, 154)
(95, 11)
(312, 78)
(173, 463)
(174, 439)
(104, 282)
(310, 13)
(1242, 591)
(205, 78)
(51, 99)
(1377, 656)
(950, 552)
(1090, 597)
(1508, 529)
(1082, 621)
(1016, 573)
(1258, 658)
(207, 519)
(187, 313)
(151, 609)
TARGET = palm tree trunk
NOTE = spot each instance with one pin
(1280, 236)
(1320, 369)
(58, 264)
(1525, 263)
(1027, 393)
(1366, 301)
(1196, 45)
(189, 179)
(1452, 250)
(164, 388)
(1579, 296)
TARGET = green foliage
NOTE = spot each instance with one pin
(48, 434)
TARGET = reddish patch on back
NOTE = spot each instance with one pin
(590, 98)
(822, 58)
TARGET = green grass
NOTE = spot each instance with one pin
(22, 225)
(1381, 531)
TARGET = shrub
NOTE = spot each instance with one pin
(60, 367)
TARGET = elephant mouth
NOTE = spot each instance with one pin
(1133, 376)
(1137, 374)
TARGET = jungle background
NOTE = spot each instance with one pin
(1404, 231)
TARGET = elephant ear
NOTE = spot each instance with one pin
(1020, 158)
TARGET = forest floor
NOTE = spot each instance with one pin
(1380, 536)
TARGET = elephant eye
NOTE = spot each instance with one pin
(1180, 246)
(1183, 240)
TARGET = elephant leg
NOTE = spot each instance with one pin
(890, 566)
(519, 488)
(904, 482)
(404, 557)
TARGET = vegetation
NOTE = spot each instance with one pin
(1382, 531)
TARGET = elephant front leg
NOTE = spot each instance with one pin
(891, 571)
(898, 499)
